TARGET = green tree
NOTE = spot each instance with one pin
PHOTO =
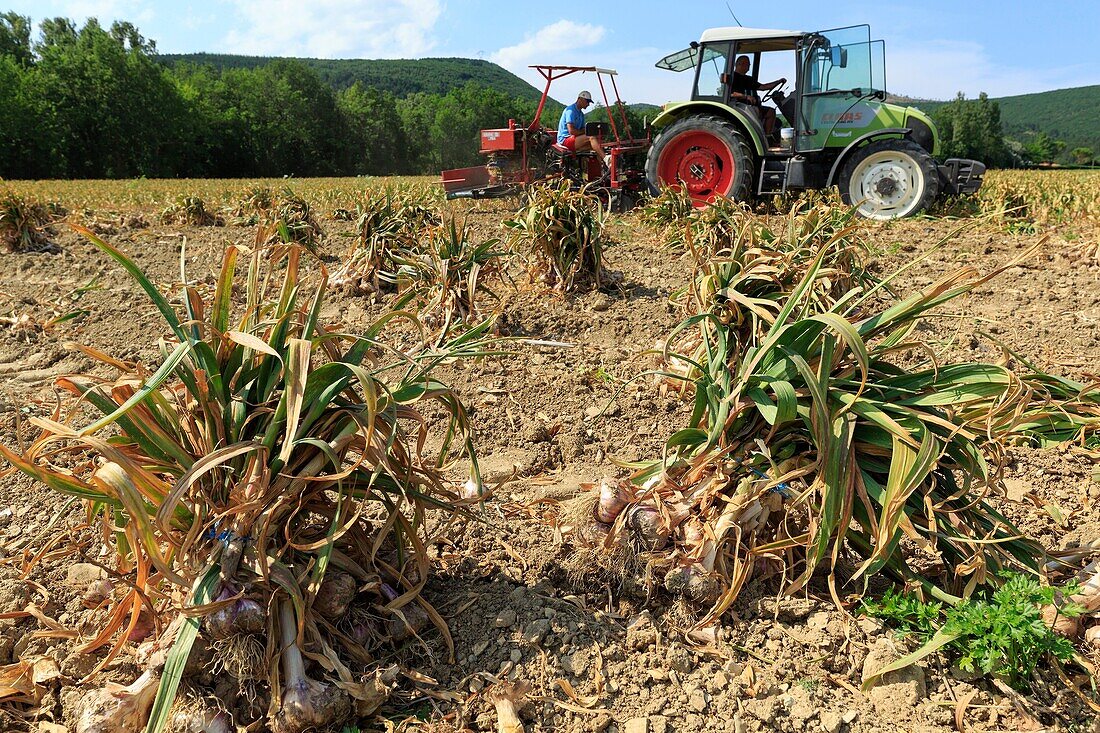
(117, 112)
(446, 129)
(15, 38)
(129, 38)
(293, 124)
(1043, 149)
(971, 128)
(216, 140)
(417, 113)
(55, 32)
(27, 130)
(1082, 155)
(376, 142)
(634, 119)
(98, 102)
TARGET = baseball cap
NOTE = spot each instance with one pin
(585, 95)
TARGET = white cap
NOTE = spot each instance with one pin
(585, 95)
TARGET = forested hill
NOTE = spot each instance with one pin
(1069, 115)
(400, 77)
(1064, 114)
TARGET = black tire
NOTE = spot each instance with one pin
(623, 201)
(735, 184)
(889, 179)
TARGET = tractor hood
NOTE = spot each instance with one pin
(924, 129)
(898, 116)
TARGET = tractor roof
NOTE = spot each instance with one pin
(773, 39)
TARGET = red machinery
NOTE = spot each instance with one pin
(519, 155)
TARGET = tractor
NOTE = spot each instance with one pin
(521, 154)
(839, 130)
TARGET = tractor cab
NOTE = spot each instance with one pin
(832, 124)
(712, 61)
(829, 74)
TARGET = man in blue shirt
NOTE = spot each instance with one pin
(571, 129)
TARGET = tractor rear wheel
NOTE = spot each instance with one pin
(889, 179)
(704, 155)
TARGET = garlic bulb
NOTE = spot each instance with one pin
(648, 527)
(335, 595)
(243, 616)
(471, 490)
(307, 704)
(614, 496)
(118, 709)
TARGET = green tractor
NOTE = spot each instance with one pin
(839, 130)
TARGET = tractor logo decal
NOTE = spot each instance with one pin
(490, 135)
(845, 118)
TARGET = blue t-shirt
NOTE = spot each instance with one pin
(571, 115)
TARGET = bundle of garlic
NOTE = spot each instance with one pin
(695, 535)
(788, 350)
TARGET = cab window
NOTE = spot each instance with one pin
(712, 68)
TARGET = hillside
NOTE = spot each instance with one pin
(399, 76)
(1064, 114)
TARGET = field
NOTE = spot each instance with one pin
(554, 406)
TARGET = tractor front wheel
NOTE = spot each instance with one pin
(706, 156)
(889, 179)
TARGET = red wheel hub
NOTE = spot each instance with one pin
(699, 161)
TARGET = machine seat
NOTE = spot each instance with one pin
(565, 152)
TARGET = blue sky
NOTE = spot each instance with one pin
(934, 48)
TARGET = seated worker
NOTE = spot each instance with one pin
(571, 130)
(744, 89)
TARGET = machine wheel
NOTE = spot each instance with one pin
(889, 179)
(706, 155)
(623, 201)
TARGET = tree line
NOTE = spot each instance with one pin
(94, 102)
(971, 128)
(400, 76)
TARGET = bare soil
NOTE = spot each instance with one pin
(551, 417)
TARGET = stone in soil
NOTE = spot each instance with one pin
(81, 574)
(883, 654)
(505, 619)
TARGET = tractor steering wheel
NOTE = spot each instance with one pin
(771, 92)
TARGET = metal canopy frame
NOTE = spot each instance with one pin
(553, 73)
(479, 181)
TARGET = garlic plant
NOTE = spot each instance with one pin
(448, 273)
(560, 232)
(271, 475)
(23, 224)
(387, 223)
(809, 448)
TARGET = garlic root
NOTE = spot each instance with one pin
(506, 698)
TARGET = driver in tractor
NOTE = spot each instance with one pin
(571, 130)
(744, 89)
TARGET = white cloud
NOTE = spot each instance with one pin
(939, 69)
(550, 44)
(335, 28)
(569, 43)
